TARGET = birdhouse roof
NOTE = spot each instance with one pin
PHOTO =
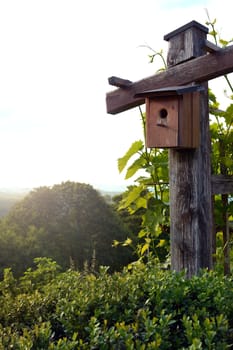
(170, 91)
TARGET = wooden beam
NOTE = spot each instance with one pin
(211, 47)
(119, 82)
(200, 69)
(222, 184)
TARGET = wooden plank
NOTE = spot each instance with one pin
(200, 69)
(185, 122)
(222, 184)
(211, 47)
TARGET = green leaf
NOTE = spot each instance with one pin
(115, 243)
(131, 197)
(127, 242)
(228, 115)
(161, 243)
(142, 233)
(141, 203)
(213, 33)
(144, 248)
(134, 148)
(147, 240)
(137, 165)
(223, 42)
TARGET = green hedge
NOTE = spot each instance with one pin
(140, 308)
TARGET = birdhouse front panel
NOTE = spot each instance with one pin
(162, 122)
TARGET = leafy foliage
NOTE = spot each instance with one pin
(221, 127)
(149, 197)
(141, 308)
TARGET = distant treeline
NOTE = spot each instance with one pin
(8, 199)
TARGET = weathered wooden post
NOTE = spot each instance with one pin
(190, 170)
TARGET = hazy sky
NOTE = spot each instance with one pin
(56, 57)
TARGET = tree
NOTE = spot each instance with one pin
(70, 223)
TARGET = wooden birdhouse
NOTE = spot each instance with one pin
(172, 117)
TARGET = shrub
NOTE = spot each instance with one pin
(141, 307)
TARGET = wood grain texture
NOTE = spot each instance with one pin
(162, 132)
(190, 185)
(191, 202)
(119, 82)
(187, 42)
(200, 69)
(222, 184)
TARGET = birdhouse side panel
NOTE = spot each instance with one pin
(189, 120)
(196, 118)
(162, 122)
(185, 122)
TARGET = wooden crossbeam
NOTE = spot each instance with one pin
(222, 184)
(211, 47)
(200, 69)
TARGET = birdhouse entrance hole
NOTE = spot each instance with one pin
(163, 113)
